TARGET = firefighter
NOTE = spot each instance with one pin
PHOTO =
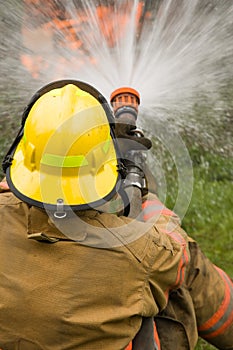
(72, 275)
(203, 305)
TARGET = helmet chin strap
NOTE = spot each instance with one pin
(7, 160)
(125, 200)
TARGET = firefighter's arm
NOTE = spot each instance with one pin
(170, 260)
(170, 266)
(167, 224)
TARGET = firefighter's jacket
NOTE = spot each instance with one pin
(83, 282)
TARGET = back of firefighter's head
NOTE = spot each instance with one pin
(65, 152)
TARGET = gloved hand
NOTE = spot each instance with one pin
(128, 139)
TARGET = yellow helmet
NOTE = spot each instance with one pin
(65, 152)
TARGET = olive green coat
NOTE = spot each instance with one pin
(86, 288)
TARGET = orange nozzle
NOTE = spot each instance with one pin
(125, 98)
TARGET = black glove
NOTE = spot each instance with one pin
(129, 139)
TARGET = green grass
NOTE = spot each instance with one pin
(210, 222)
(209, 216)
(203, 345)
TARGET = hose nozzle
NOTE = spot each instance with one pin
(125, 100)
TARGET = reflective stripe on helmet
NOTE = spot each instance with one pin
(63, 162)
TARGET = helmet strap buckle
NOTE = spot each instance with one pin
(60, 213)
